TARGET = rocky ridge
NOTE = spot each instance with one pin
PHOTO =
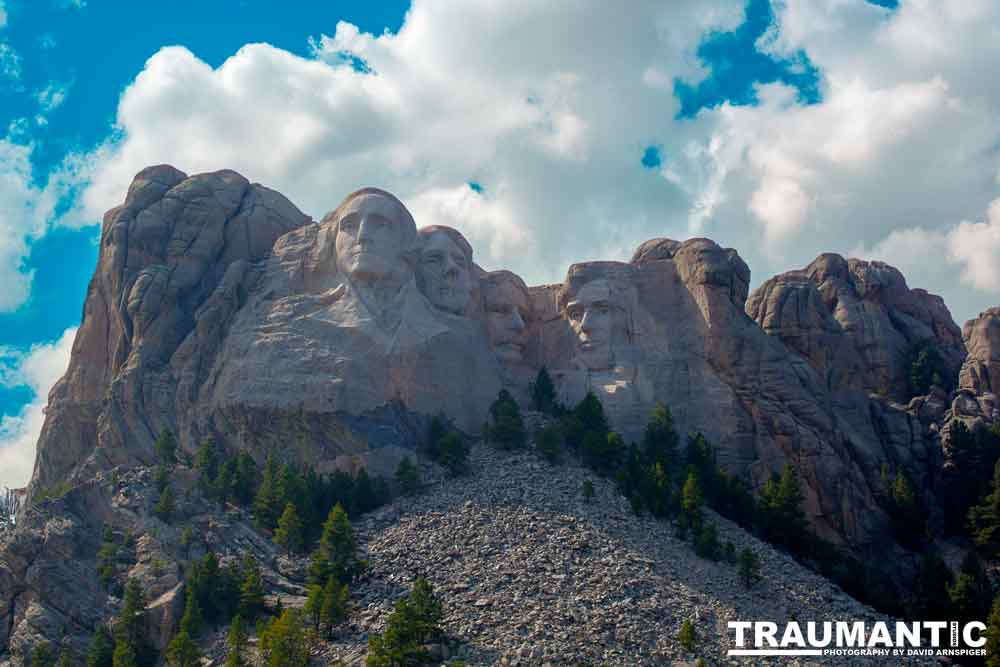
(218, 310)
(529, 572)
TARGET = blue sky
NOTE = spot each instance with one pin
(547, 136)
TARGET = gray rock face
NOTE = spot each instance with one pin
(981, 370)
(219, 310)
(173, 258)
(854, 321)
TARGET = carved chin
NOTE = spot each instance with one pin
(368, 266)
(594, 357)
(509, 352)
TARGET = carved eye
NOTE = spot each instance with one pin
(574, 313)
(432, 258)
(459, 260)
(349, 224)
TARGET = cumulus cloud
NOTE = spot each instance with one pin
(904, 137)
(554, 129)
(27, 210)
(38, 369)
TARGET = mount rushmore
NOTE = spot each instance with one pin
(219, 310)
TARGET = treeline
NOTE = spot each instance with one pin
(269, 491)
(674, 481)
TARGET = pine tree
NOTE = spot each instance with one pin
(408, 477)
(251, 603)
(783, 519)
(507, 428)
(993, 635)
(245, 482)
(687, 636)
(166, 446)
(182, 651)
(314, 605)
(543, 393)
(191, 621)
(336, 554)
(164, 508)
(749, 567)
(206, 462)
(435, 433)
(289, 532)
(453, 454)
(284, 642)
(237, 641)
(587, 489)
(266, 505)
(65, 659)
(427, 608)
(125, 655)
(984, 518)
(972, 594)
(132, 642)
(161, 478)
(224, 486)
(659, 441)
(41, 656)
(333, 610)
(101, 651)
(706, 541)
(691, 501)
(413, 622)
(548, 442)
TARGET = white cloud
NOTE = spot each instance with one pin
(976, 245)
(10, 63)
(555, 127)
(551, 128)
(38, 369)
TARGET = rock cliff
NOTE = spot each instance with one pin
(219, 310)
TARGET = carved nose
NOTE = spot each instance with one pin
(364, 231)
(515, 320)
(451, 272)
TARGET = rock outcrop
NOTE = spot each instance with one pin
(218, 310)
(855, 322)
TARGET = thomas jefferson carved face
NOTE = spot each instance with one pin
(592, 313)
(444, 273)
(372, 237)
(507, 306)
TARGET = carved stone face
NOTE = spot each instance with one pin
(506, 309)
(591, 314)
(444, 273)
(371, 239)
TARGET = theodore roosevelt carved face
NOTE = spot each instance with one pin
(506, 301)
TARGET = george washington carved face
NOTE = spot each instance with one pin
(444, 270)
(374, 233)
